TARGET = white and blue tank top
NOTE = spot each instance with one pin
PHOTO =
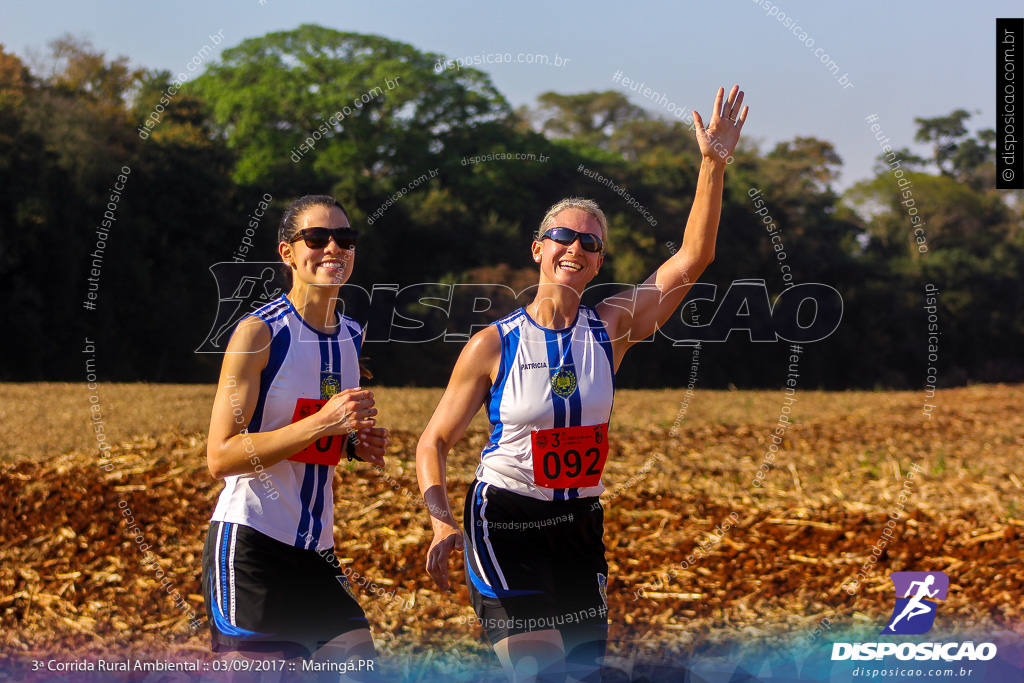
(303, 363)
(546, 379)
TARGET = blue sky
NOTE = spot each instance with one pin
(904, 59)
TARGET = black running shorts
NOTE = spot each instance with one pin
(264, 596)
(533, 565)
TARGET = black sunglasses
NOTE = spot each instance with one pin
(317, 238)
(566, 236)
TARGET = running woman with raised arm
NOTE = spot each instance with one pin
(534, 549)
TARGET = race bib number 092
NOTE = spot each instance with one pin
(569, 457)
(326, 450)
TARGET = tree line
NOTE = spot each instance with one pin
(213, 162)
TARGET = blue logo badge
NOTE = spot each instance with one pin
(914, 612)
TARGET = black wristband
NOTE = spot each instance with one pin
(350, 447)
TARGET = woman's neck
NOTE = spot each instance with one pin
(555, 306)
(316, 305)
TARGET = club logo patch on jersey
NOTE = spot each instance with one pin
(330, 384)
(343, 580)
(563, 382)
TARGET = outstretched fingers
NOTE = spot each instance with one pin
(732, 104)
(718, 104)
(698, 124)
(742, 118)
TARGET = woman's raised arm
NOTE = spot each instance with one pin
(633, 318)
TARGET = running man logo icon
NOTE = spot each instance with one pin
(914, 613)
(241, 289)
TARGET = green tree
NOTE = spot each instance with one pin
(268, 95)
(591, 118)
(67, 137)
(954, 231)
(957, 154)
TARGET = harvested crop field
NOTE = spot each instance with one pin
(72, 581)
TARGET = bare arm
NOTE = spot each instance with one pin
(654, 302)
(229, 451)
(467, 390)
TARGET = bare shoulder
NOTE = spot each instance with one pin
(486, 341)
(249, 346)
(252, 333)
(482, 353)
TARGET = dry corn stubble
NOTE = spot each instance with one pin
(72, 581)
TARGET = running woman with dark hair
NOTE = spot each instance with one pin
(534, 550)
(288, 408)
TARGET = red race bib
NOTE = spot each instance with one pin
(569, 457)
(326, 450)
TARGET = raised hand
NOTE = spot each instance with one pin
(719, 139)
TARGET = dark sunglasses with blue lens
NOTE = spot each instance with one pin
(566, 236)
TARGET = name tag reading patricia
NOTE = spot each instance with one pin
(569, 457)
(326, 450)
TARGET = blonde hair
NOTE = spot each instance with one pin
(588, 205)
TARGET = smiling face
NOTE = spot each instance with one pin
(328, 266)
(569, 265)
